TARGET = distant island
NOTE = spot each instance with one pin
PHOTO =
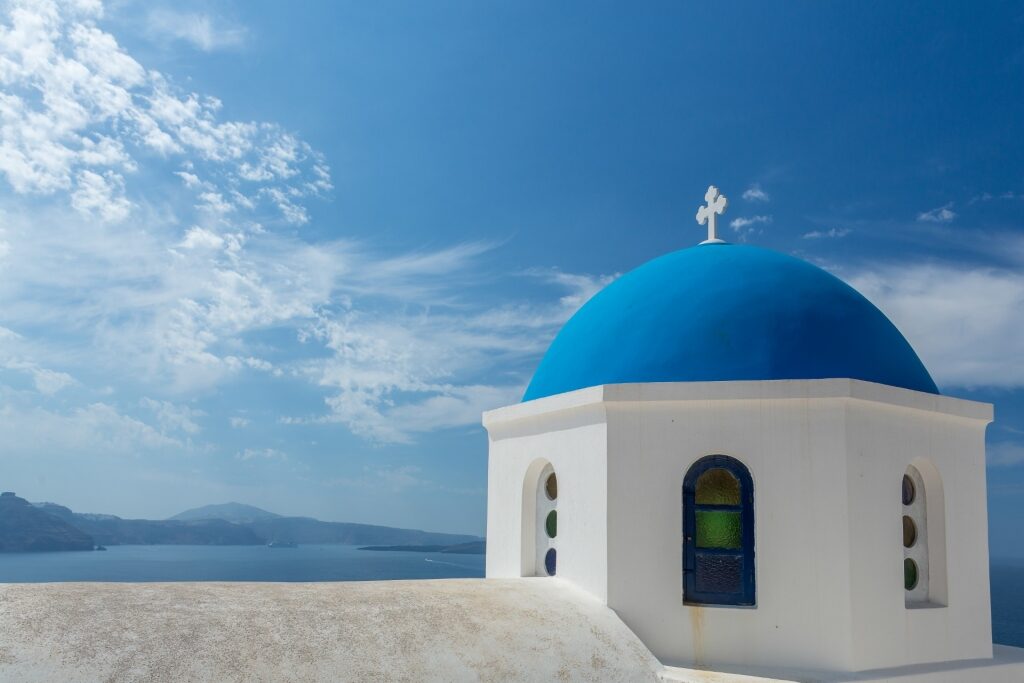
(26, 526)
(23, 527)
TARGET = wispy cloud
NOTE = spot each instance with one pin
(175, 297)
(397, 479)
(173, 417)
(94, 429)
(965, 322)
(397, 372)
(261, 454)
(831, 233)
(755, 193)
(942, 214)
(77, 112)
(1005, 453)
(202, 31)
(745, 226)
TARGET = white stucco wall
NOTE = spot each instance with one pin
(573, 442)
(826, 457)
(882, 441)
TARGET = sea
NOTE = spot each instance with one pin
(140, 563)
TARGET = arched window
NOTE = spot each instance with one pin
(718, 533)
(924, 537)
(547, 522)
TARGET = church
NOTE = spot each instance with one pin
(744, 458)
(729, 466)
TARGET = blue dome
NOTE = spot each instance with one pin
(727, 312)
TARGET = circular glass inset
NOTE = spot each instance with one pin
(551, 524)
(549, 562)
(909, 491)
(551, 486)
(909, 532)
(909, 574)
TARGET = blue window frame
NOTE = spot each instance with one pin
(718, 533)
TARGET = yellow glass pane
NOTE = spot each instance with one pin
(719, 529)
(718, 487)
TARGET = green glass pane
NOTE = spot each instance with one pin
(551, 524)
(909, 574)
(719, 529)
(718, 487)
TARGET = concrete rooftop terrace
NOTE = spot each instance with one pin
(442, 630)
(529, 629)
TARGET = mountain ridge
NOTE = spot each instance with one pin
(211, 530)
(229, 512)
(26, 528)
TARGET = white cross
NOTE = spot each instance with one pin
(716, 205)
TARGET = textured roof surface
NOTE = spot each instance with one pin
(447, 630)
(727, 312)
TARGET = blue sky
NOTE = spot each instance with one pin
(285, 253)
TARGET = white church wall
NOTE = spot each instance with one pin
(955, 622)
(826, 458)
(574, 443)
(793, 450)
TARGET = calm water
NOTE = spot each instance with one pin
(235, 563)
(1008, 602)
(346, 563)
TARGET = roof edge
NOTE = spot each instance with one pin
(743, 390)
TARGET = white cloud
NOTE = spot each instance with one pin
(76, 111)
(173, 417)
(747, 226)
(191, 180)
(101, 196)
(175, 300)
(261, 454)
(202, 31)
(831, 233)
(754, 193)
(394, 479)
(1005, 453)
(965, 322)
(239, 422)
(93, 429)
(201, 238)
(46, 381)
(942, 214)
(49, 382)
(401, 372)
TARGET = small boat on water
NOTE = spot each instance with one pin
(282, 544)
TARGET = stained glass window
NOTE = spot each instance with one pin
(909, 574)
(544, 520)
(915, 497)
(719, 529)
(909, 532)
(551, 486)
(718, 533)
(718, 486)
(549, 562)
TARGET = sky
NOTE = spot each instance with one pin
(286, 253)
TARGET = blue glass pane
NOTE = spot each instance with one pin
(719, 573)
(549, 562)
